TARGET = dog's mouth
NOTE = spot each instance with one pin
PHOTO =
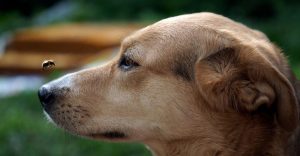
(108, 135)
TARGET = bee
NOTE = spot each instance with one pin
(48, 64)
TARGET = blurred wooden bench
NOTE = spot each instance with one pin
(70, 46)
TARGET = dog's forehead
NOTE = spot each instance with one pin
(148, 43)
(160, 43)
(153, 38)
(175, 30)
(199, 33)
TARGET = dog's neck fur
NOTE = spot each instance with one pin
(189, 147)
(277, 143)
(245, 140)
(194, 147)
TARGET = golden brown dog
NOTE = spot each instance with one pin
(192, 85)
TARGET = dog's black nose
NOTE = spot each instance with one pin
(46, 97)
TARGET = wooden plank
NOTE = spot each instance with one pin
(70, 38)
(70, 46)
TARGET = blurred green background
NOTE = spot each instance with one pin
(23, 128)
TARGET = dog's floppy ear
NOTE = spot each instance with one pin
(240, 79)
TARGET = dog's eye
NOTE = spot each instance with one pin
(126, 63)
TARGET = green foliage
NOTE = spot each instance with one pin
(153, 10)
(25, 131)
(11, 21)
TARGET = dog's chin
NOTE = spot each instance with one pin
(113, 135)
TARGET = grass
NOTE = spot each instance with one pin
(25, 131)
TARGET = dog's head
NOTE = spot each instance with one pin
(187, 76)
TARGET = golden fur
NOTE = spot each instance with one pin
(201, 85)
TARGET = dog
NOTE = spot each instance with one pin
(192, 85)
